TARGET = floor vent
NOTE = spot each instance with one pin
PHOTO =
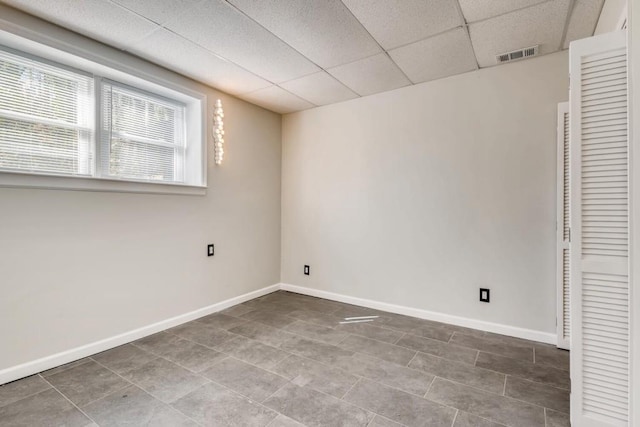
(517, 54)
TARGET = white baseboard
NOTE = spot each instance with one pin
(497, 328)
(48, 362)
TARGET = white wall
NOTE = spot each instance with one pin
(421, 195)
(77, 267)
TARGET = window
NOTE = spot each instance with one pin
(143, 135)
(45, 117)
(58, 121)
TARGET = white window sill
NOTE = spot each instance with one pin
(55, 182)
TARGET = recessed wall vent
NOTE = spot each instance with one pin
(517, 54)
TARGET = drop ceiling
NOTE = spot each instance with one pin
(290, 55)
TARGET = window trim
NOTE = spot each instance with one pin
(84, 183)
(71, 57)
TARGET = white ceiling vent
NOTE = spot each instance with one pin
(517, 54)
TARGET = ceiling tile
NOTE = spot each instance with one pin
(370, 75)
(583, 21)
(542, 25)
(159, 11)
(476, 10)
(440, 56)
(324, 31)
(276, 99)
(98, 19)
(398, 22)
(185, 57)
(220, 28)
(319, 88)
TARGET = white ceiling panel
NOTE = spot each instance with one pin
(440, 56)
(583, 21)
(375, 74)
(542, 25)
(220, 28)
(276, 99)
(185, 57)
(159, 11)
(395, 23)
(289, 55)
(99, 19)
(320, 89)
(324, 31)
(477, 10)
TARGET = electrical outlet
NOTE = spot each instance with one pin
(307, 270)
(210, 250)
(484, 295)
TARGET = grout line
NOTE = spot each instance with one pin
(287, 382)
(151, 394)
(351, 388)
(404, 334)
(29, 395)
(534, 355)
(74, 405)
(377, 341)
(545, 417)
(83, 359)
(274, 419)
(414, 356)
(540, 383)
(504, 389)
(378, 382)
(254, 401)
(475, 362)
(451, 337)
(110, 393)
(175, 409)
(289, 354)
(342, 400)
(482, 390)
(525, 378)
(454, 417)
(197, 374)
(429, 388)
(432, 382)
(487, 419)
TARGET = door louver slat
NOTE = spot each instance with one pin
(563, 232)
(599, 249)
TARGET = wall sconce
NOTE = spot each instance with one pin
(218, 133)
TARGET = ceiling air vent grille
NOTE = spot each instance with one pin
(517, 54)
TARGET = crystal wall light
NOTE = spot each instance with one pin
(218, 132)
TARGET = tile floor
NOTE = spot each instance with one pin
(287, 360)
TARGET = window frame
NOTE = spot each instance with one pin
(123, 75)
(103, 145)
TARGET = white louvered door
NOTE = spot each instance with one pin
(563, 230)
(600, 232)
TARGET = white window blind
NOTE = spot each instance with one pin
(80, 119)
(46, 117)
(144, 136)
